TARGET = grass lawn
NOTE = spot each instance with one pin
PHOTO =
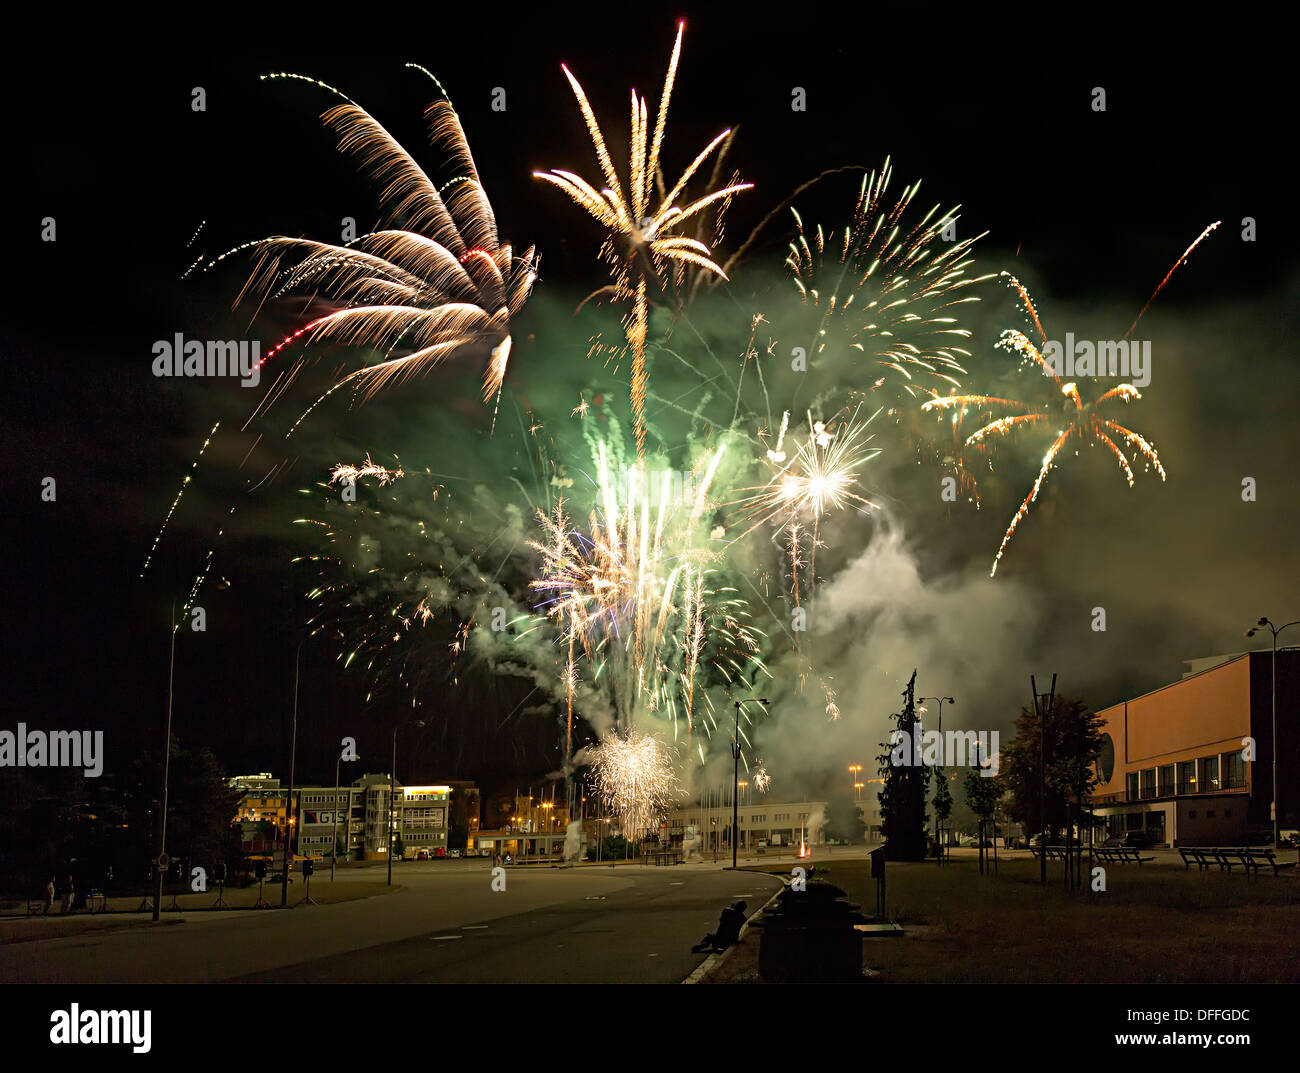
(1157, 923)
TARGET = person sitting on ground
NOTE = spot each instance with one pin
(729, 924)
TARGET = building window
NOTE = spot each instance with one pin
(1148, 781)
(1209, 814)
(1209, 773)
(1234, 771)
(1131, 783)
(1192, 814)
(1187, 777)
(1167, 781)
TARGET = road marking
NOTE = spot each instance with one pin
(444, 938)
(654, 955)
(676, 883)
(472, 927)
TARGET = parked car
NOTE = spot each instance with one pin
(422, 855)
(453, 853)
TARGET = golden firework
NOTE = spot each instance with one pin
(640, 242)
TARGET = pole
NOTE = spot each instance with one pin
(735, 779)
(1277, 812)
(288, 803)
(391, 791)
(334, 850)
(167, 759)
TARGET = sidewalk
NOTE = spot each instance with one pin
(125, 912)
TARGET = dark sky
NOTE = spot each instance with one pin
(993, 113)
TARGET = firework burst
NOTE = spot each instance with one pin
(889, 288)
(634, 776)
(1070, 417)
(441, 286)
(640, 242)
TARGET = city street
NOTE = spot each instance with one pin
(631, 923)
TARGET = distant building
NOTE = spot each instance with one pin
(1172, 763)
(354, 818)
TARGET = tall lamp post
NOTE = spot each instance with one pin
(1274, 630)
(392, 776)
(1042, 769)
(941, 700)
(735, 777)
(347, 837)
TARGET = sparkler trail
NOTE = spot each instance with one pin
(638, 241)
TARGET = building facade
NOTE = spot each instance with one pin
(354, 818)
(1192, 762)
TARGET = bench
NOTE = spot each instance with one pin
(1229, 857)
(667, 856)
(1194, 855)
(1257, 857)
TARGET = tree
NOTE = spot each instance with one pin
(902, 801)
(844, 821)
(982, 794)
(458, 820)
(1073, 737)
(942, 806)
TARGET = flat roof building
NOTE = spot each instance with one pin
(1191, 763)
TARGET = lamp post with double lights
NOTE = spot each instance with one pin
(735, 775)
(1274, 630)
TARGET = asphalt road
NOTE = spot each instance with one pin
(631, 924)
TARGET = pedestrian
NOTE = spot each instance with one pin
(49, 898)
(68, 893)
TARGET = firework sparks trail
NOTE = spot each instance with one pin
(639, 242)
(343, 472)
(634, 777)
(891, 287)
(1181, 261)
(1083, 422)
(443, 287)
(635, 598)
(185, 483)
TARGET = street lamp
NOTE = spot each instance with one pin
(854, 770)
(941, 700)
(391, 779)
(1274, 630)
(735, 779)
(347, 835)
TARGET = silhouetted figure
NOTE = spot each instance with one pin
(49, 898)
(69, 896)
(729, 924)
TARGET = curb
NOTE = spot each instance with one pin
(710, 963)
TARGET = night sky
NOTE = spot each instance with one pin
(1090, 209)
